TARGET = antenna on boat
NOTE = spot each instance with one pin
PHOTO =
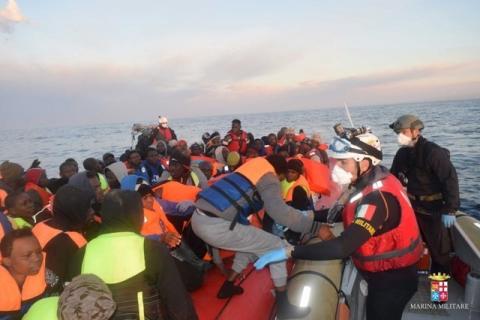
(348, 114)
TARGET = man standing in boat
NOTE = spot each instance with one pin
(236, 139)
(432, 186)
(381, 233)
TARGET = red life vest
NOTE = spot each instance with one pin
(394, 249)
(45, 233)
(43, 193)
(239, 142)
(166, 133)
(12, 297)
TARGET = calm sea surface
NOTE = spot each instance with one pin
(453, 125)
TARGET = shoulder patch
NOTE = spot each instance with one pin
(365, 211)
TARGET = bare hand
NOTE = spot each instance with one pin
(171, 239)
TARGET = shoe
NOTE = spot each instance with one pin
(228, 290)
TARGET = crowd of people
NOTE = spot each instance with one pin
(139, 232)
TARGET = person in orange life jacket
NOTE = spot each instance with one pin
(137, 268)
(180, 170)
(432, 185)
(381, 233)
(66, 170)
(221, 220)
(36, 180)
(318, 152)
(156, 226)
(153, 166)
(114, 173)
(11, 180)
(108, 159)
(164, 131)
(272, 146)
(22, 275)
(236, 139)
(63, 234)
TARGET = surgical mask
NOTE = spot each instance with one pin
(340, 176)
(404, 140)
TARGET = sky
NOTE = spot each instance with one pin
(84, 62)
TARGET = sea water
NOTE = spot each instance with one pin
(454, 125)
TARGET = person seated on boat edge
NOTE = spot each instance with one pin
(66, 170)
(236, 139)
(156, 226)
(64, 233)
(134, 268)
(381, 233)
(22, 273)
(86, 297)
(221, 221)
(432, 186)
(114, 173)
(37, 181)
(153, 166)
(163, 131)
(11, 180)
(180, 170)
(108, 158)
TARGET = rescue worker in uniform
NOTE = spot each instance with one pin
(432, 186)
(221, 220)
(380, 231)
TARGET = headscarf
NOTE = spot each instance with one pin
(122, 211)
(82, 181)
(86, 297)
(71, 206)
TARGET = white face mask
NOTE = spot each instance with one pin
(404, 140)
(340, 176)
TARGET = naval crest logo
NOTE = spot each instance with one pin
(439, 287)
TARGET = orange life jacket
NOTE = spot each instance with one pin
(215, 164)
(239, 142)
(317, 175)
(44, 194)
(3, 196)
(12, 297)
(176, 191)
(45, 233)
(155, 221)
(397, 248)
(302, 182)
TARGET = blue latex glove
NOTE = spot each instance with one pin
(448, 220)
(275, 255)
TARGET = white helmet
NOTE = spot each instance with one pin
(363, 146)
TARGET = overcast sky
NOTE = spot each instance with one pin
(76, 62)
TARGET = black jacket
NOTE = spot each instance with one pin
(428, 170)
